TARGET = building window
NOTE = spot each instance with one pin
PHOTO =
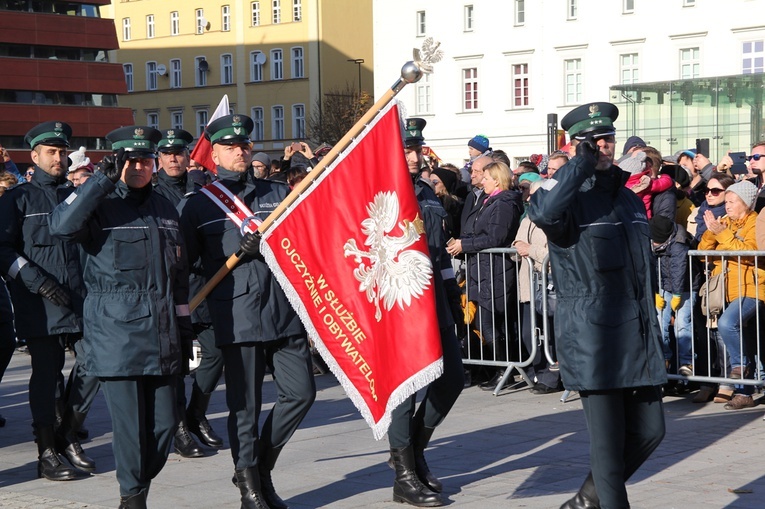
(150, 26)
(200, 64)
(258, 128)
(256, 65)
(573, 70)
(226, 69)
(200, 16)
(201, 122)
(152, 120)
(151, 75)
(470, 89)
(128, 68)
(175, 73)
(571, 9)
(423, 96)
(175, 23)
(420, 23)
(176, 120)
(468, 18)
(126, 29)
(520, 85)
(298, 121)
(628, 6)
(690, 63)
(297, 10)
(277, 122)
(276, 12)
(225, 16)
(297, 63)
(520, 12)
(277, 64)
(628, 68)
(255, 7)
(753, 55)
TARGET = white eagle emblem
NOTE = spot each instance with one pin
(388, 272)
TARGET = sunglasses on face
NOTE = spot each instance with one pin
(755, 157)
(715, 191)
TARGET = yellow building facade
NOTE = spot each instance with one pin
(273, 58)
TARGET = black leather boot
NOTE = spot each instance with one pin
(68, 442)
(586, 497)
(49, 464)
(248, 481)
(421, 439)
(134, 501)
(266, 462)
(196, 422)
(185, 445)
(407, 488)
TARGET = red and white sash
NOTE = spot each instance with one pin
(234, 208)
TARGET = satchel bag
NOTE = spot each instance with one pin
(712, 294)
(539, 295)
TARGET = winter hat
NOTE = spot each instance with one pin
(744, 190)
(448, 177)
(480, 142)
(262, 157)
(79, 160)
(633, 163)
(661, 228)
(529, 176)
(632, 142)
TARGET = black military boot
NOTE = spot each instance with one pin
(266, 462)
(69, 444)
(586, 498)
(248, 481)
(196, 422)
(421, 439)
(185, 445)
(407, 488)
(134, 501)
(49, 464)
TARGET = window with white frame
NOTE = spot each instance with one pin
(256, 66)
(277, 122)
(277, 64)
(470, 89)
(421, 27)
(255, 13)
(753, 55)
(298, 121)
(258, 127)
(690, 63)
(573, 80)
(468, 22)
(520, 12)
(151, 75)
(126, 33)
(298, 69)
(628, 6)
(150, 26)
(226, 69)
(423, 96)
(128, 69)
(201, 73)
(175, 73)
(152, 119)
(297, 10)
(520, 77)
(571, 9)
(200, 17)
(201, 121)
(276, 12)
(628, 68)
(175, 23)
(176, 119)
(225, 16)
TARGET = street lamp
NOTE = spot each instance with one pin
(358, 61)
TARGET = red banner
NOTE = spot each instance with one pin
(352, 257)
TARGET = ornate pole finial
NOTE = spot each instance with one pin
(424, 58)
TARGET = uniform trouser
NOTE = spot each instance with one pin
(143, 421)
(47, 354)
(207, 375)
(7, 345)
(245, 366)
(626, 426)
(82, 388)
(439, 396)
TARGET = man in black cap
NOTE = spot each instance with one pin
(138, 331)
(173, 183)
(606, 326)
(46, 288)
(255, 325)
(410, 430)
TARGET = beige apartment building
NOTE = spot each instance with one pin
(273, 58)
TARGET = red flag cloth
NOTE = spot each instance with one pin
(202, 152)
(352, 257)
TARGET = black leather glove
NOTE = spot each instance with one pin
(54, 292)
(588, 150)
(250, 244)
(112, 165)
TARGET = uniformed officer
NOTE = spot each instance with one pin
(46, 288)
(410, 431)
(173, 183)
(254, 324)
(606, 326)
(137, 323)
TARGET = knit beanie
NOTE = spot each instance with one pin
(746, 191)
(661, 228)
(448, 177)
(480, 142)
(79, 160)
(262, 157)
